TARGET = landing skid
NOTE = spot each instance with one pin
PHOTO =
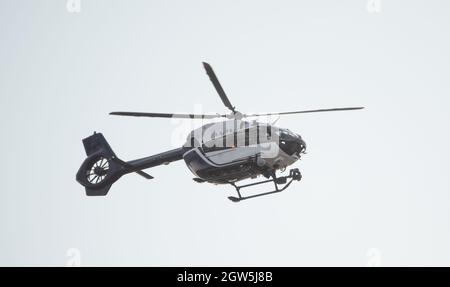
(294, 174)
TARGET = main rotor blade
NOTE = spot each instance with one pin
(162, 115)
(219, 89)
(306, 111)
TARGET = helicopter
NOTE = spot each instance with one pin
(223, 152)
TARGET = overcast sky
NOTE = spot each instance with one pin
(375, 188)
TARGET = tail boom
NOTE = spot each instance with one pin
(102, 167)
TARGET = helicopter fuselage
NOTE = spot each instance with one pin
(234, 150)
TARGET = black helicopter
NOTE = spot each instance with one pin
(221, 153)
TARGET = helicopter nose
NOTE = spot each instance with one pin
(292, 144)
(302, 146)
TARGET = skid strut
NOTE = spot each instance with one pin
(294, 174)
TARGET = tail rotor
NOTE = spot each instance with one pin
(99, 170)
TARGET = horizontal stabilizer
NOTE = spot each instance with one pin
(127, 165)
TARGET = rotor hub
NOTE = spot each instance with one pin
(236, 116)
(100, 171)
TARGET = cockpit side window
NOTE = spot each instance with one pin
(269, 132)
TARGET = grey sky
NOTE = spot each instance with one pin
(376, 178)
